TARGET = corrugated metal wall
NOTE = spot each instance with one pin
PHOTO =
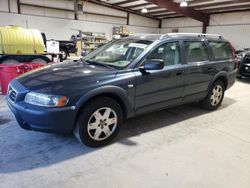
(233, 26)
(57, 19)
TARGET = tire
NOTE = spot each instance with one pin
(39, 61)
(64, 54)
(215, 96)
(10, 62)
(95, 129)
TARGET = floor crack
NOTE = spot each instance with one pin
(230, 135)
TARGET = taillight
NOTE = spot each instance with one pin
(233, 54)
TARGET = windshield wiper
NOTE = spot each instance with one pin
(98, 63)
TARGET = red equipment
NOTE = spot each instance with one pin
(8, 72)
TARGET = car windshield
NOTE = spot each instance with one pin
(119, 53)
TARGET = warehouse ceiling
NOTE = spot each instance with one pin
(161, 9)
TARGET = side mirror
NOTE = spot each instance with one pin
(152, 64)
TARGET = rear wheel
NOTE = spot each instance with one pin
(99, 122)
(215, 96)
(64, 54)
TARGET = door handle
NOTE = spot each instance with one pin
(179, 73)
(210, 69)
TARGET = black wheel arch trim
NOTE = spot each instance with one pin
(106, 90)
(222, 74)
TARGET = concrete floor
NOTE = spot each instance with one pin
(180, 147)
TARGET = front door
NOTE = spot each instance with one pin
(158, 89)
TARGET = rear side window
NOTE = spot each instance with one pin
(195, 51)
(221, 50)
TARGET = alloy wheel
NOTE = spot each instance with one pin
(102, 124)
(216, 95)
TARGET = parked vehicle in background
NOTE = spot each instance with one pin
(122, 79)
(21, 45)
(237, 52)
(67, 47)
(243, 64)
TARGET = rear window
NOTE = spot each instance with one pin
(195, 51)
(221, 50)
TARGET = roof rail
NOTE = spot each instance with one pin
(144, 34)
(192, 34)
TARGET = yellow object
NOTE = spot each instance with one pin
(16, 40)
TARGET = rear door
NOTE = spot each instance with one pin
(199, 70)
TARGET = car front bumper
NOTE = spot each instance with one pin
(244, 70)
(44, 119)
(54, 120)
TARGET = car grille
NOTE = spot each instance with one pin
(12, 94)
(246, 59)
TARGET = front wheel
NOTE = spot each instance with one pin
(99, 122)
(215, 96)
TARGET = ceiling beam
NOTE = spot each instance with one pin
(159, 12)
(124, 2)
(154, 8)
(232, 2)
(216, 12)
(189, 3)
(198, 1)
(163, 16)
(206, 6)
(98, 2)
(226, 8)
(186, 11)
(138, 5)
(172, 16)
(231, 11)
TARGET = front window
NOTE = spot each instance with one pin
(168, 52)
(119, 53)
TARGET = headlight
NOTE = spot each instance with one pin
(40, 99)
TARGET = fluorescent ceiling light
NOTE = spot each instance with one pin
(144, 10)
(183, 4)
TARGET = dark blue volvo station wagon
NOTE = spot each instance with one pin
(122, 79)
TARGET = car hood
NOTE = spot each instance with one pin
(67, 77)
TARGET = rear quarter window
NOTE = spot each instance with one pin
(221, 50)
